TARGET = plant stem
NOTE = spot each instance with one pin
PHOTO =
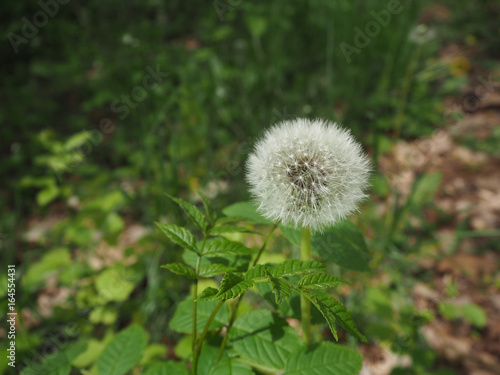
(305, 305)
(234, 310)
(195, 294)
(197, 351)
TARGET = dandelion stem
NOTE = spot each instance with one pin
(305, 305)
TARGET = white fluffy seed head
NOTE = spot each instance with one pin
(307, 173)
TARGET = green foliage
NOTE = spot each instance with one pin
(320, 281)
(123, 352)
(193, 213)
(230, 366)
(58, 363)
(221, 247)
(264, 340)
(214, 269)
(182, 321)
(232, 286)
(470, 312)
(179, 235)
(325, 358)
(182, 269)
(334, 312)
(247, 210)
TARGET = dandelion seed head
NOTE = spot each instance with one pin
(319, 173)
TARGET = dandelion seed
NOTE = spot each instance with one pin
(320, 173)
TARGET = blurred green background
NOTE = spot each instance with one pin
(105, 106)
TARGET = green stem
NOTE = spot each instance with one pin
(234, 310)
(203, 335)
(406, 89)
(195, 295)
(305, 305)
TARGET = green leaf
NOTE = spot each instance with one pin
(474, 314)
(344, 245)
(281, 288)
(181, 269)
(58, 363)
(47, 195)
(182, 321)
(424, 189)
(123, 352)
(320, 281)
(248, 210)
(232, 286)
(179, 235)
(52, 263)
(220, 247)
(207, 295)
(334, 311)
(264, 340)
(212, 216)
(325, 358)
(229, 219)
(230, 229)
(116, 283)
(192, 212)
(166, 368)
(258, 271)
(295, 267)
(215, 269)
(231, 366)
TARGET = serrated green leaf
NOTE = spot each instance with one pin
(181, 269)
(207, 295)
(264, 340)
(230, 229)
(295, 267)
(123, 352)
(344, 245)
(215, 269)
(232, 286)
(258, 271)
(231, 366)
(192, 212)
(334, 312)
(320, 281)
(281, 288)
(325, 358)
(182, 321)
(211, 215)
(179, 235)
(166, 368)
(248, 210)
(220, 247)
